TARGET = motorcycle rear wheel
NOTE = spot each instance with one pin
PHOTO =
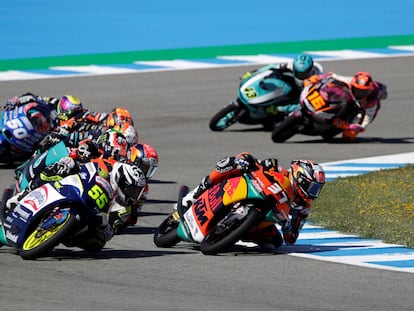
(220, 239)
(226, 117)
(286, 129)
(39, 242)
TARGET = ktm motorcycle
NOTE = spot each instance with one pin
(227, 212)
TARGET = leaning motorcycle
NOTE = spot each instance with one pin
(21, 128)
(321, 104)
(60, 212)
(258, 96)
(260, 92)
(226, 213)
(32, 168)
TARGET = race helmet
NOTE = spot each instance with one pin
(146, 157)
(87, 150)
(307, 179)
(128, 181)
(68, 106)
(302, 67)
(361, 85)
(119, 115)
(112, 145)
(129, 131)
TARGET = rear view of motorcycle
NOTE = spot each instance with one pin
(21, 128)
(226, 213)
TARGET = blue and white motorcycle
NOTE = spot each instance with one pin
(64, 212)
(21, 129)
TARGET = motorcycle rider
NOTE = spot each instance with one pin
(366, 93)
(305, 180)
(127, 182)
(293, 73)
(39, 112)
(145, 157)
(75, 129)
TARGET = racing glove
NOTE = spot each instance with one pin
(61, 168)
(245, 162)
(104, 230)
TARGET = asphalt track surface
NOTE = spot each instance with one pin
(172, 111)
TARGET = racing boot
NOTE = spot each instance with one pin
(193, 195)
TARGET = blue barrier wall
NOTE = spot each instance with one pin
(32, 28)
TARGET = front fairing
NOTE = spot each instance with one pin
(32, 206)
(217, 201)
(262, 89)
(318, 113)
(86, 192)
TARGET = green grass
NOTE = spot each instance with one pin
(375, 205)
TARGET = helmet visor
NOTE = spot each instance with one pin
(360, 93)
(151, 171)
(313, 189)
(302, 75)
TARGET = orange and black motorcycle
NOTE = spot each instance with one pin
(228, 212)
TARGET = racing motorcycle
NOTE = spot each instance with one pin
(258, 96)
(321, 105)
(260, 92)
(21, 128)
(225, 213)
(58, 212)
(32, 168)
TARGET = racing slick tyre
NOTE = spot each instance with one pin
(224, 236)
(166, 234)
(226, 117)
(286, 129)
(50, 231)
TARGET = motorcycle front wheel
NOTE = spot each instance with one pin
(166, 234)
(223, 236)
(286, 129)
(226, 117)
(47, 234)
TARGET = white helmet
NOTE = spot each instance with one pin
(128, 181)
(129, 131)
